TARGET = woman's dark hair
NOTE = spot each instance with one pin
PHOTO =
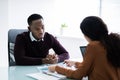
(94, 28)
(33, 17)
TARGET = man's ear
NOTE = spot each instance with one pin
(29, 28)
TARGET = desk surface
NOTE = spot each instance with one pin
(20, 73)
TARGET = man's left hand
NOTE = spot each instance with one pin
(53, 58)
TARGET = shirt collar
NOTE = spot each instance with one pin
(33, 39)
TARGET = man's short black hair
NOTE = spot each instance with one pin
(33, 17)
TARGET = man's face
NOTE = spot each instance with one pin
(37, 28)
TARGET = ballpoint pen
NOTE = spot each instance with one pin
(50, 74)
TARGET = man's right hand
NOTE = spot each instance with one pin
(50, 59)
(45, 61)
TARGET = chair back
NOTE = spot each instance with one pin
(12, 33)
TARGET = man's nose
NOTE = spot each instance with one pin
(41, 30)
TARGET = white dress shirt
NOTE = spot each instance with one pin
(33, 38)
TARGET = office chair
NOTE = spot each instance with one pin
(12, 33)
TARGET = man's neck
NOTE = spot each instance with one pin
(33, 38)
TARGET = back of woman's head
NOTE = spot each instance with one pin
(94, 28)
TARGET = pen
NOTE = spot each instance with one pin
(50, 74)
(64, 62)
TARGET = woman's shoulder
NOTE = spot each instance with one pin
(95, 46)
(95, 43)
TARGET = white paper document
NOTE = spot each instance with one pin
(45, 75)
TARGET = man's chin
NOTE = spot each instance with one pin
(41, 37)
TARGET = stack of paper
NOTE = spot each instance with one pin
(45, 74)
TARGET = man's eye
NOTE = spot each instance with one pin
(42, 26)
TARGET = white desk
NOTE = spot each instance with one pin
(20, 73)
